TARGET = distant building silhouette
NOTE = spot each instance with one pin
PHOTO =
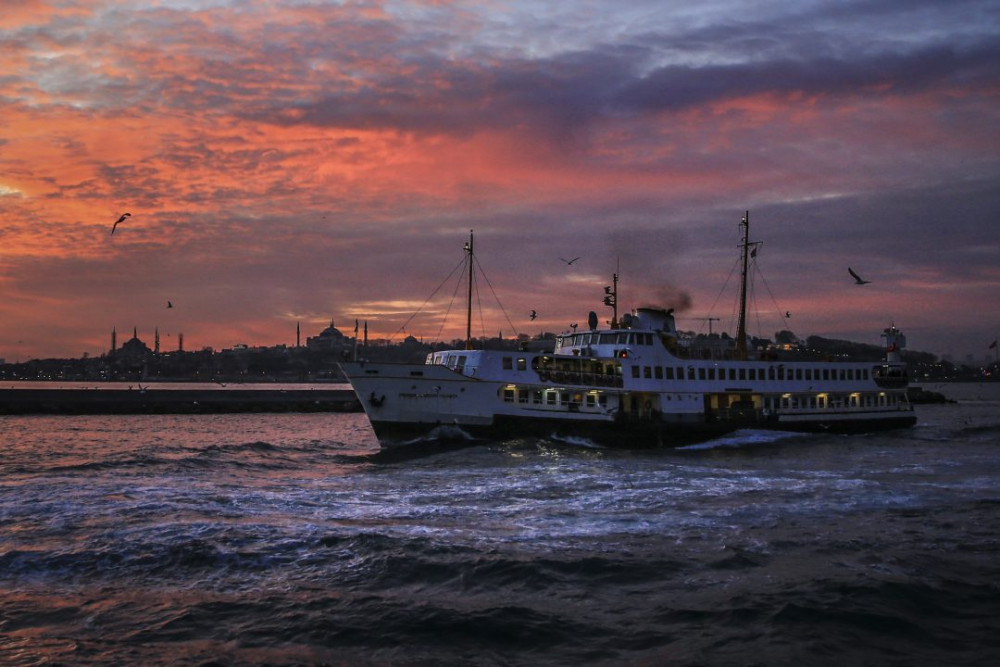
(329, 339)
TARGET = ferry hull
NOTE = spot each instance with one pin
(420, 404)
(630, 436)
(595, 434)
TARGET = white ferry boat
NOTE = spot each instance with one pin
(634, 384)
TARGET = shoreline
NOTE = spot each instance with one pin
(150, 399)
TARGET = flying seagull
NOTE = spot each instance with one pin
(120, 219)
(170, 304)
(534, 314)
(569, 261)
(857, 279)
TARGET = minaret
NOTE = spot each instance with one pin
(114, 339)
(156, 341)
(180, 342)
(298, 335)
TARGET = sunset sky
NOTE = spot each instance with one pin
(297, 161)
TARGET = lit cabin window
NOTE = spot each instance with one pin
(522, 364)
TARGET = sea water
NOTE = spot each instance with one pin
(291, 539)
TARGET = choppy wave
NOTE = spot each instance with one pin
(292, 539)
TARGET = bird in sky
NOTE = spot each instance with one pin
(858, 280)
(569, 261)
(120, 219)
(788, 313)
(534, 314)
(170, 304)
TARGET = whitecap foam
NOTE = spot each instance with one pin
(576, 441)
(743, 438)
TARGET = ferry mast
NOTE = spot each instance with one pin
(468, 312)
(741, 327)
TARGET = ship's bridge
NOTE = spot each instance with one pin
(639, 329)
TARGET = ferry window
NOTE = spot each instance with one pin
(752, 374)
(701, 373)
(781, 372)
(461, 362)
(451, 361)
(809, 374)
(770, 373)
(842, 374)
(826, 373)
(647, 372)
(608, 339)
(508, 395)
(508, 364)
(635, 371)
(732, 373)
(522, 364)
(522, 395)
(658, 373)
(691, 373)
(536, 397)
(550, 397)
(623, 339)
(743, 374)
(864, 373)
(670, 372)
(564, 398)
(798, 373)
